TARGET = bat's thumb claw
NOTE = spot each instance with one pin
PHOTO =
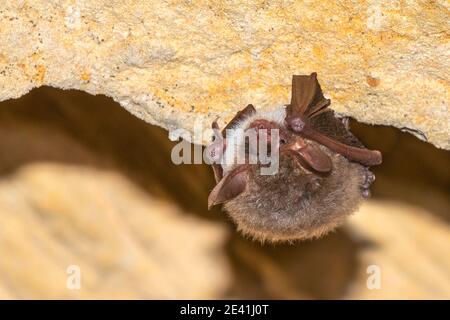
(211, 203)
(378, 158)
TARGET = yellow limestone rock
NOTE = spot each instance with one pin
(169, 62)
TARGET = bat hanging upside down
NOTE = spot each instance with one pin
(323, 170)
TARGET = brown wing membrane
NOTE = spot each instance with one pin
(303, 92)
(307, 99)
(318, 108)
(231, 185)
(307, 103)
(364, 156)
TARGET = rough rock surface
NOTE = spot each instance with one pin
(168, 62)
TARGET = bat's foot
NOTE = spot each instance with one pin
(346, 122)
(365, 188)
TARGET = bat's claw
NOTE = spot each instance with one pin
(366, 193)
(365, 188)
(346, 122)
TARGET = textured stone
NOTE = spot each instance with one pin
(168, 62)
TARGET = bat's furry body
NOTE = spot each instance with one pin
(317, 184)
(294, 203)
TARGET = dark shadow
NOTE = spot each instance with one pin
(413, 171)
(316, 269)
(74, 127)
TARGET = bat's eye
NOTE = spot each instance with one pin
(282, 141)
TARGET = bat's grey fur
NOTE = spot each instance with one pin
(295, 203)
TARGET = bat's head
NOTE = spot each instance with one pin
(264, 139)
(261, 143)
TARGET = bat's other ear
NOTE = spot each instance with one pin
(231, 185)
(218, 172)
(240, 115)
(311, 155)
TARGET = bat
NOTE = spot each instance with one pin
(323, 169)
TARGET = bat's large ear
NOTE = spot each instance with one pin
(308, 155)
(240, 115)
(217, 168)
(231, 185)
(218, 172)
